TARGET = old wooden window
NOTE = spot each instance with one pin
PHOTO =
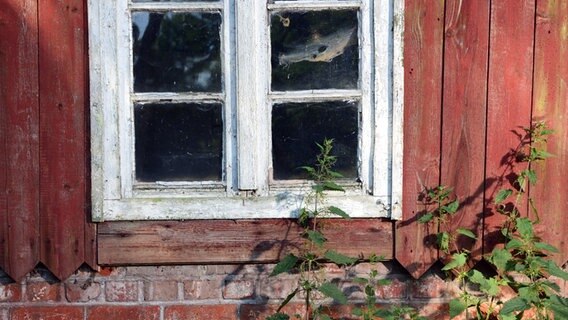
(206, 109)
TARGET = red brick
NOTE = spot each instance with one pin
(239, 289)
(121, 291)
(202, 289)
(277, 287)
(395, 290)
(261, 311)
(46, 313)
(161, 291)
(123, 313)
(10, 292)
(42, 292)
(434, 311)
(201, 312)
(82, 291)
(430, 287)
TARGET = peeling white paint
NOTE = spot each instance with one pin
(247, 100)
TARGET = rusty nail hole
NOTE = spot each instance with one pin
(60, 106)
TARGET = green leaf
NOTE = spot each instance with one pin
(514, 244)
(452, 207)
(285, 265)
(500, 258)
(382, 313)
(332, 186)
(457, 307)
(278, 316)
(426, 218)
(543, 246)
(443, 240)
(316, 237)
(325, 317)
(531, 175)
(559, 306)
(550, 285)
(331, 290)
(490, 287)
(502, 195)
(335, 174)
(466, 232)
(360, 280)
(515, 304)
(358, 312)
(338, 212)
(555, 270)
(541, 154)
(458, 260)
(369, 291)
(476, 277)
(508, 317)
(338, 258)
(529, 294)
(310, 170)
(525, 228)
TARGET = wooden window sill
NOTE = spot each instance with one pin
(232, 241)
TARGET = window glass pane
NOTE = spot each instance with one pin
(314, 50)
(178, 142)
(177, 52)
(297, 127)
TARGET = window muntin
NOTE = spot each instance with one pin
(249, 95)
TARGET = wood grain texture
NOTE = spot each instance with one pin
(63, 134)
(423, 43)
(231, 241)
(551, 105)
(19, 157)
(464, 111)
(509, 102)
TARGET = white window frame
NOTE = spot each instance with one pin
(247, 190)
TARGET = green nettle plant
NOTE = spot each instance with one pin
(313, 282)
(370, 310)
(308, 263)
(521, 264)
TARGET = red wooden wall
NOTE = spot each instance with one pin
(474, 71)
(43, 137)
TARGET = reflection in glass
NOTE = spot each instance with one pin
(297, 127)
(178, 142)
(176, 52)
(314, 50)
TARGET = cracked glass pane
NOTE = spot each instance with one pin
(314, 50)
(177, 52)
(297, 127)
(178, 142)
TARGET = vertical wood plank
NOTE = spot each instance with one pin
(464, 112)
(423, 43)
(551, 105)
(62, 134)
(19, 157)
(509, 101)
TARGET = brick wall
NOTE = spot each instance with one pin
(212, 292)
(198, 292)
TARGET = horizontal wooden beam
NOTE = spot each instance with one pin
(232, 241)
